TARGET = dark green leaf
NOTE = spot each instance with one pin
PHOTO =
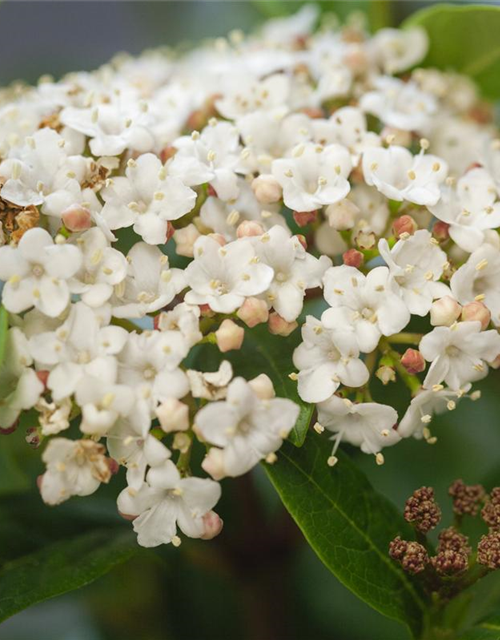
(349, 526)
(489, 629)
(62, 567)
(465, 39)
(4, 325)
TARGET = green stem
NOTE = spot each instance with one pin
(405, 338)
(126, 324)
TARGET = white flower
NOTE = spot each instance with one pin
(150, 283)
(185, 319)
(424, 405)
(54, 416)
(211, 385)
(326, 359)
(314, 176)
(166, 502)
(147, 198)
(399, 175)
(131, 444)
(368, 425)
(74, 468)
(20, 387)
(286, 30)
(469, 209)
(36, 273)
(77, 348)
(102, 268)
(459, 353)
(416, 265)
(244, 427)
(247, 95)
(102, 403)
(366, 303)
(223, 277)
(212, 156)
(399, 104)
(295, 270)
(400, 49)
(149, 364)
(478, 279)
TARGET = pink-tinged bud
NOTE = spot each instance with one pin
(356, 60)
(218, 238)
(477, 311)
(206, 311)
(6, 431)
(313, 112)
(185, 239)
(173, 415)
(170, 231)
(413, 361)
(278, 326)
(445, 311)
(76, 218)
(263, 387)
(212, 525)
(211, 192)
(113, 466)
(253, 312)
(342, 215)
(396, 136)
(249, 228)
(213, 463)
(33, 437)
(404, 225)
(365, 240)
(353, 258)
(441, 231)
(303, 218)
(126, 516)
(43, 376)
(167, 153)
(229, 336)
(385, 374)
(302, 240)
(267, 189)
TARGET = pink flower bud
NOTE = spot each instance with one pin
(167, 153)
(267, 189)
(313, 112)
(253, 311)
(353, 258)
(413, 361)
(263, 387)
(76, 218)
(206, 311)
(396, 136)
(477, 311)
(303, 218)
(441, 231)
(185, 239)
(173, 415)
(302, 240)
(212, 525)
(445, 311)
(249, 228)
(213, 463)
(229, 336)
(342, 215)
(211, 192)
(278, 326)
(170, 231)
(43, 376)
(113, 466)
(404, 225)
(356, 59)
(218, 238)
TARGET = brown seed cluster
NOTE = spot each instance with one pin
(467, 499)
(422, 510)
(488, 550)
(491, 510)
(412, 556)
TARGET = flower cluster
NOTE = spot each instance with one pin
(166, 202)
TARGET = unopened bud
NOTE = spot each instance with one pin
(267, 189)
(353, 258)
(303, 218)
(185, 239)
(386, 374)
(404, 225)
(76, 218)
(365, 240)
(181, 442)
(229, 336)
(441, 230)
(213, 463)
(445, 311)
(249, 228)
(212, 525)
(170, 231)
(167, 153)
(263, 387)
(253, 312)
(43, 376)
(278, 326)
(477, 311)
(113, 466)
(422, 510)
(413, 361)
(206, 311)
(173, 415)
(342, 215)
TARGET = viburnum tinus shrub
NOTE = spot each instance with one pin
(213, 253)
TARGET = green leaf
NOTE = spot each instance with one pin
(465, 39)
(349, 526)
(4, 325)
(489, 629)
(62, 567)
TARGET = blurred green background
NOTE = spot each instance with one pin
(258, 580)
